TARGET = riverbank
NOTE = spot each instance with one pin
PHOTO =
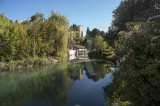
(27, 63)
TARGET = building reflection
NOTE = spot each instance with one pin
(78, 57)
(80, 75)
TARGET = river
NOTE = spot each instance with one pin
(69, 83)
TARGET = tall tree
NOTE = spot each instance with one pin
(98, 43)
(94, 32)
(134, 10)
(74, 27)
(37, 16)
(14, 40)
(111, 36)
(88, 32)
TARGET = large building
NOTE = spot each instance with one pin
(80, 30)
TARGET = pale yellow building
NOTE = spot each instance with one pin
(19, 21)
(80, 30)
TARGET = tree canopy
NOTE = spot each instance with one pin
(34, 38)
(37, 16)
(98, 43)
(134, 10)
(94, 32)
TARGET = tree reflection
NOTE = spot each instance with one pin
(49, 85)
(100, 68)
(75, 71)
(42, 85)
(133, 88)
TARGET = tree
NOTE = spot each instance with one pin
(102, 33)
(14, 40)
(138, 78)
(98, 43)
(74, 27)
(78, 40)
(34, 38)
(59, 32)
(111, 36)
(37, 16)
(88, 32)
(124, 13)
(133, 11)
(94, 32)
(75, 39)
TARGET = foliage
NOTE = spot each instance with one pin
(38, 16)
(75, 39)
(98, 43)
(78, 40)
(94, 32)
(74, 27)
(134, 10)
(138, 78)
(14, 40)
(100, 49)
(88, 32)
(111, 36)
(37, 37)
(26, 63)
(130, 11)
(108, 53)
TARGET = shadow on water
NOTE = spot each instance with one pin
(66, 83)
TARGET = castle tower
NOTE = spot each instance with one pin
(80, 74)
(80, 30)
(19, 21)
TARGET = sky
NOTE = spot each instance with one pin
(88, 13)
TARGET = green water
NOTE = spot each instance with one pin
(66, 83)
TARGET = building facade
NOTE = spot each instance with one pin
(80, 30)
(19, 21)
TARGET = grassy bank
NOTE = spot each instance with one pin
(27, 63)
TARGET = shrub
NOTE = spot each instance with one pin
(141, 70)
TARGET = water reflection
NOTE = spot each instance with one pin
(99, 70)
(55, 85)
(79, 57)
(40, 85)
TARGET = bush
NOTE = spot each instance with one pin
(138, 80)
